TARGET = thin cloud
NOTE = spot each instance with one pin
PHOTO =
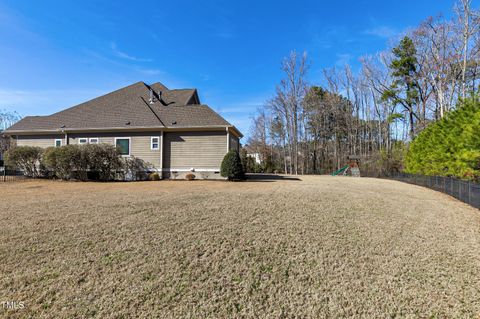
(149, 71)
(46, 101)
(122, 64)
(125, 55)
(343, 59)
(383, 31)
(223, 35)
(249, 106)
(325, 38)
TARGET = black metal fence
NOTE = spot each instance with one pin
(465, 191)
(10, 175)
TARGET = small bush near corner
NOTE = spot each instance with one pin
(232, 167)
(154, 176)
(190, 177)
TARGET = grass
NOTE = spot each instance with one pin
(322, 247)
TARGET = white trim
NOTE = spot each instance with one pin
(190, 169)
(82, 138)
(56, 140)
(93, 138)
(129, 144)
(158, 143)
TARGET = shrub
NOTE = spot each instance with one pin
(154, 176)
(67, 162)
(190, 177)
(232, 167)
(136, 168)
(25, 158)
(104, 160)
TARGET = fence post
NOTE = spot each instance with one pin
(460, 193)
(469, 192)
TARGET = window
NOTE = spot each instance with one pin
(93, 140)
(58, 142)
(123, 145)
(82, 140)
(155, 143)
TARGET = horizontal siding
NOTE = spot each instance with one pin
(139, 143)
(185, 150)
(140, 147)
(234, 143)
(43, 141)
(182, 150)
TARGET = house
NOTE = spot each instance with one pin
(256, 157)
(169, 129)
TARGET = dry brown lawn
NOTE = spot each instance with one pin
(322, 247)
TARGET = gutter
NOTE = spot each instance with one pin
(110, 129)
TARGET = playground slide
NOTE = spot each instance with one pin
(341, 170)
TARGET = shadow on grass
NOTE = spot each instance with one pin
(270, 178)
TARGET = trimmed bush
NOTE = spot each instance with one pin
(67, 162)
(190, 177)
(104, 160)
(25, 158)
(82, 162)
(232, 167)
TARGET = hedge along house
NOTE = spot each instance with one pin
(169, 129)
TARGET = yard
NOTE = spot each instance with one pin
(319, 247)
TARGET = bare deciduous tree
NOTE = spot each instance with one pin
(313, 129)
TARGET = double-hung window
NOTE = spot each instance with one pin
(155, 143)
(123, 145)
(58, 142)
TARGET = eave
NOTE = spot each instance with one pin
(122, 129)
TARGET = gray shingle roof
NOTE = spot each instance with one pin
(129, 107)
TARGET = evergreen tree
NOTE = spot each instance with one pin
(232, 167)
(450, 146)
(404, 88)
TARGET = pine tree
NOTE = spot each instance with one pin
(404, 88)
(449, 147)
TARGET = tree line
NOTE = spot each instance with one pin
(7, 119)
(374, 112)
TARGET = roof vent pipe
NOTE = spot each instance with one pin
(150, 100)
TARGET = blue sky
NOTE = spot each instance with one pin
(55, 54)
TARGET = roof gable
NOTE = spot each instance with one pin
(175, 97)
(129, 107)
